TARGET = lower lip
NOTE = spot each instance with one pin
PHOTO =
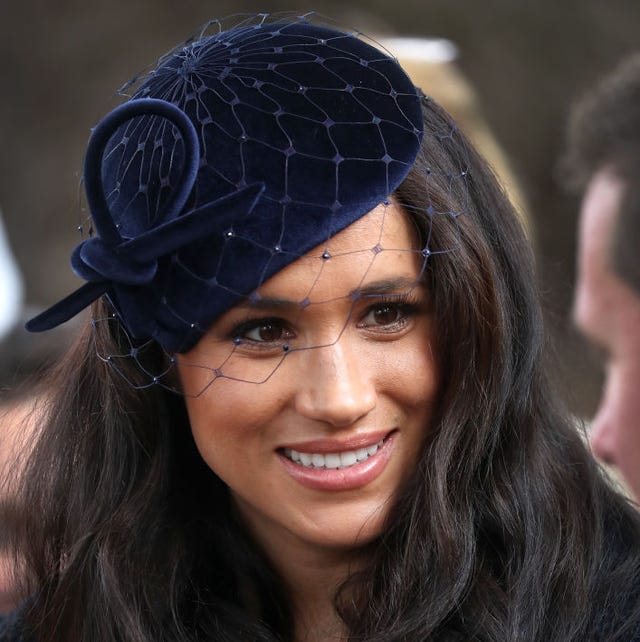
(334, 479)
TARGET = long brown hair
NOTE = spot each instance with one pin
(506, 530)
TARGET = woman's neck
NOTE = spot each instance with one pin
(312, 578)
(312, 575)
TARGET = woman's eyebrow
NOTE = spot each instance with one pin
(263, 303)
(396, 285)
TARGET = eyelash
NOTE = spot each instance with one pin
(240, 333)
(404, 307)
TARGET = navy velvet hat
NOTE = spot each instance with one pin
(236, 155)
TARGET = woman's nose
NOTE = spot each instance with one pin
(336, 385)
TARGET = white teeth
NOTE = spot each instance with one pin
(344, 459)
(362, 454)
(348, 458)
(332, 461)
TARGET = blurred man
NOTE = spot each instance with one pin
(603, 162)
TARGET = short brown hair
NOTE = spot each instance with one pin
(604, 130)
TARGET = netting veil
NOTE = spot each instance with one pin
(241, 151)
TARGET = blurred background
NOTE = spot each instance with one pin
(509, 72)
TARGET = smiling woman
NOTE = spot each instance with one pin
(318, 453)
(311, 403)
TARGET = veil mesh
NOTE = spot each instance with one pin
(300, 129)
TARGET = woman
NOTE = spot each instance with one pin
(312, 403)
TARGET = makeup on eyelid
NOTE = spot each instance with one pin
(264, 332)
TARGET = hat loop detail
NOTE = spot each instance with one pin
(100, 137)
(110, 263)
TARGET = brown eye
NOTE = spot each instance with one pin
(267, 332)
(388, 317)
(385, 315)
(263, 331)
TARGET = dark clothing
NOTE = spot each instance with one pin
(11, 628)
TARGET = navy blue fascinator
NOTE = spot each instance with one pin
(240, 152)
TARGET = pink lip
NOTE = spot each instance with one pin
(331, 479)
(324, 446)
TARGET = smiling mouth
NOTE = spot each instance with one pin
(332, 461)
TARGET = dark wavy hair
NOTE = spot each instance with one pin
(505, 531)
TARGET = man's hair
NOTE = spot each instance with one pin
(604, 131)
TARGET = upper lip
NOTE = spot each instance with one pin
(328, 445)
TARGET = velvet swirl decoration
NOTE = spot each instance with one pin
(123, 267)
(239, 153)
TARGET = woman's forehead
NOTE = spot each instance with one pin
(378, 250)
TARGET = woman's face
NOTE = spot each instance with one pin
(316, 452)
